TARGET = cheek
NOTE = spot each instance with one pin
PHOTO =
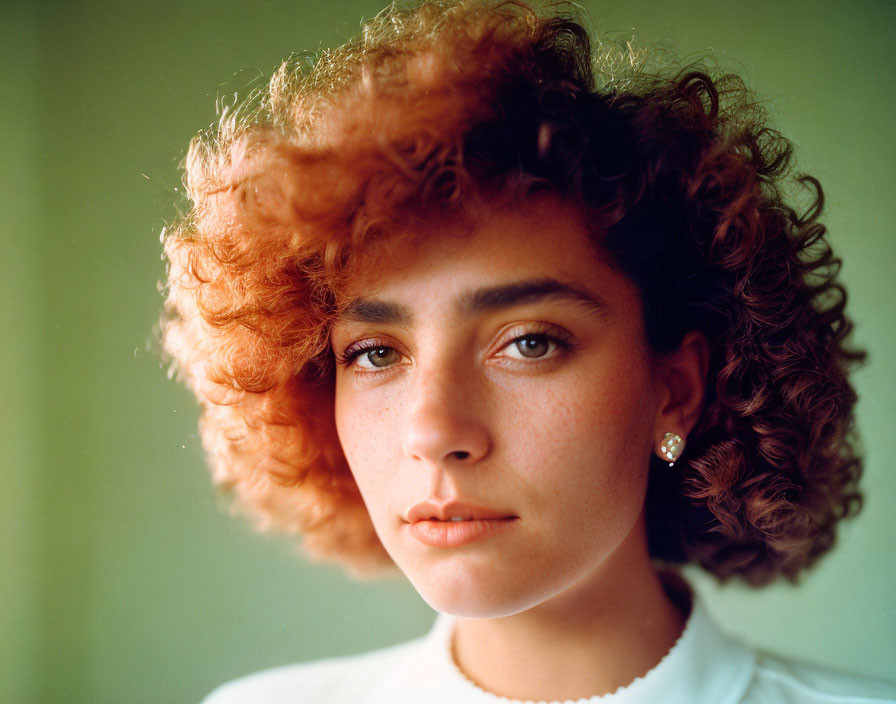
(369, 434)
(587, 443)
(362, 432)
(610, 411)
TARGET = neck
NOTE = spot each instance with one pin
(597, 636)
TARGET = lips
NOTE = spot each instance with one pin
(454, 524)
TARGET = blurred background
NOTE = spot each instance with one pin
(122, 578)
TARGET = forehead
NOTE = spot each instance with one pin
(537, 238)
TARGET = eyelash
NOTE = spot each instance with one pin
(560, 338)
(352, 352)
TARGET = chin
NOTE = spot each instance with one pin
(460, 593)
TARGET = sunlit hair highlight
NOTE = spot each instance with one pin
(438, 108)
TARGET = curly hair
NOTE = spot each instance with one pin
(681, 184)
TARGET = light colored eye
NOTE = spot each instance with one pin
(531, 347)
(377, 358)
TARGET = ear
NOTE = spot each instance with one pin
(682, 384)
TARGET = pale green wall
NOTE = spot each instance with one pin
(20, 326)
(120, 578)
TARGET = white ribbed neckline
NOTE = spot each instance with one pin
(704, 666)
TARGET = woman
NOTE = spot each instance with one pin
(458, 300)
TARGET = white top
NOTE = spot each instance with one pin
(705, 666)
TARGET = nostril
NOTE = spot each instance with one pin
(461, 454)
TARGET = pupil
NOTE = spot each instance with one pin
(380, 357)
(532, 346)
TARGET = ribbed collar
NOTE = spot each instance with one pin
(705, 666)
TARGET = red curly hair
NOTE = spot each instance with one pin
(680, 182)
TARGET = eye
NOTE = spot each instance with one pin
(531, 346)
(376, 357)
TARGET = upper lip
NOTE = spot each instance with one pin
(446, 510)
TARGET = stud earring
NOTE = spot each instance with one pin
(671, 447)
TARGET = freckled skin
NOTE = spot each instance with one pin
(562, 442)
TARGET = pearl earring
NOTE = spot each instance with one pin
(671, 447)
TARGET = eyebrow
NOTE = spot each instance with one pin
(366, 310)
(521, 292)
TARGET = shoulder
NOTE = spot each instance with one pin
(780, 680)
(344, 680)
(715, 666)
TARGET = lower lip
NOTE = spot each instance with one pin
(454, 534)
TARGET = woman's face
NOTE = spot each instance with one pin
(498, 411)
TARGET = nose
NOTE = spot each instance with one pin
(443, 424)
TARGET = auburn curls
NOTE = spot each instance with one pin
(434, 107)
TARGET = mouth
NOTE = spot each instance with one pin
(455, 524)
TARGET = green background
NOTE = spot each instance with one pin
(121, 579)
